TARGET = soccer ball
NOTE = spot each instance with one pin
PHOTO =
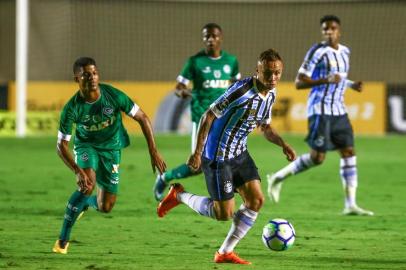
(278, 234)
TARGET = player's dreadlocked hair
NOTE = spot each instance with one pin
(81, 62)
(269, 55)
(211, 26)
(328, 18)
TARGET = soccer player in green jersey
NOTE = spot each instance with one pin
(99, 137)
(211, 70)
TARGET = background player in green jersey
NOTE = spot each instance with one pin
(212, 70)
(99, 137)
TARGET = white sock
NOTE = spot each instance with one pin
(200, 204)
(243, 220)
(349, 178)
(301, 164)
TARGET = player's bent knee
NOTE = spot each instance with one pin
(106, 207)
(89, 191)
(256, 203)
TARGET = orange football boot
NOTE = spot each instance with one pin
(170, 201)
(230, 257)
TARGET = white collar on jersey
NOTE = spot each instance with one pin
(254, 78)
(331, 48)
(215, 58)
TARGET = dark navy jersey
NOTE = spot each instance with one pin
(238, 112)
(320, 61)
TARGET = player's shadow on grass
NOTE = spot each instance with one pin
(355, 261)
(36, 212)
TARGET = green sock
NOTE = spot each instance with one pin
(75, 205)
(181, 171)
(92, 201)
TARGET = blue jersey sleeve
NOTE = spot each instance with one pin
(311, 59)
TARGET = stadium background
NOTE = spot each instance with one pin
(140, 46)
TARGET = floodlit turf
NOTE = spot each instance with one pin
(35, 185)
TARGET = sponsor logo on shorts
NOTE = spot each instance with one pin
(114, 180)
(319, 141)
(228, 187)
(84, 156)
(115, 168)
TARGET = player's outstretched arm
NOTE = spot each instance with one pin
(272, 136)
(303, 81)
(156, 159)
(83, 181)
(194, 161)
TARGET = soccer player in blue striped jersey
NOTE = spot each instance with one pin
(221, 152)
(325, 71)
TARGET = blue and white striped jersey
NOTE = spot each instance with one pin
(238, 112)
(320, 61)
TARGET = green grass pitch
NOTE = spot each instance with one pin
(35, 185)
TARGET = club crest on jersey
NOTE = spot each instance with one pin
(217, 74)
(319, 141)
(227, 69)
(84, 156)
(228, 187)
(108, 110)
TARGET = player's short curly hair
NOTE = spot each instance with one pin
(327, 18)
(81, 62)
(269, 56)
(211, 26)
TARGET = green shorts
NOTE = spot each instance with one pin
(104, 163)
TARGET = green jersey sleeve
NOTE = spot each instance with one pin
(236, 70)
(67, 119)
(186, 75)
(124, 102)
(127, 105)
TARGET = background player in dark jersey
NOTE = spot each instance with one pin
(325, 71)
(221, 151)
(99, 137)
(211, 70)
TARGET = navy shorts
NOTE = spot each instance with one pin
(223, 177)
(327, 132)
